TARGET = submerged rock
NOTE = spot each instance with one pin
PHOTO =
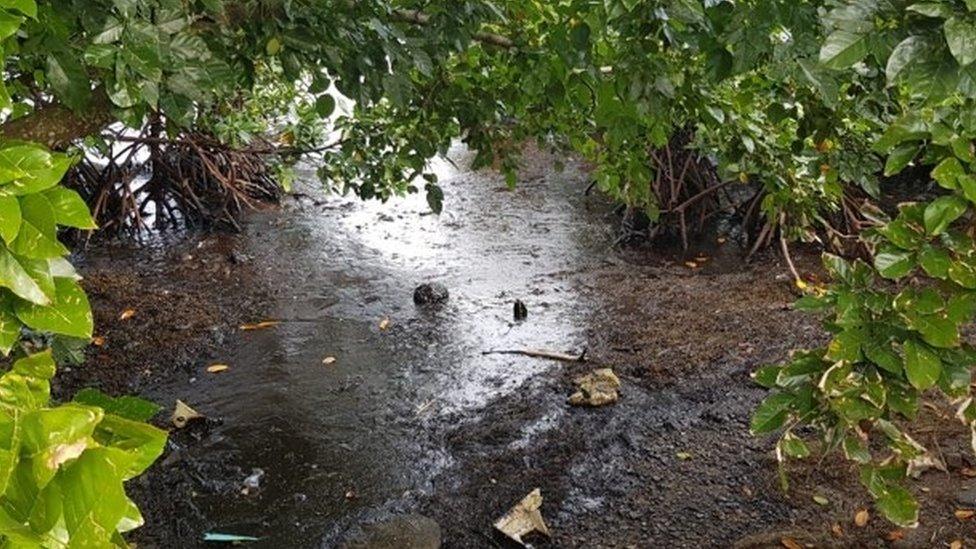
(404, 532)
(597, 388)
(430, 293)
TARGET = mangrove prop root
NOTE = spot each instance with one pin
(192, 180)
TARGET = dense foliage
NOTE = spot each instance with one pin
(806, 103)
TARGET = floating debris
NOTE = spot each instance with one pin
(183, 414)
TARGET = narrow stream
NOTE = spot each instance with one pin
(358, 438)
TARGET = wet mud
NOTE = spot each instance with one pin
(361, 411)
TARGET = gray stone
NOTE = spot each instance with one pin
(403, 532)
(430, 293)
(967, 496)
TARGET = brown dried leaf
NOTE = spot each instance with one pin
(691, 264)
(837, 530)
(968, 472)
(260, 325)
(790, 543)
(524, 518)
(957, 544)
(895, 535)
(127, 314)
(861, 518)
(98, 341)
(965, 514)
(217, 368)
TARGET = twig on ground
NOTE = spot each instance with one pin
(540, 353)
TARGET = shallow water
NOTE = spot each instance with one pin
(361, 437)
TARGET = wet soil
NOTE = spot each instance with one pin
(412, 418)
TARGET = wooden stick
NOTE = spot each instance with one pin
(540, 353)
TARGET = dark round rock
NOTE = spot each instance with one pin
(430, 293)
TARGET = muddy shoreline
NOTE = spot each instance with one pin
(413, 419)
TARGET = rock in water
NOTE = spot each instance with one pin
(597, 388)
(405, 532)
(520, 310)
(430, 293)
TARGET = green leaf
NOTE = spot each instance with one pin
(9, 326)
(143, 442)
(69, 80)
(38, 236)
(70, 209)
(127, 407)
(14, 276)
(900, 157)
(937, 331)
(771, 413)
(942, 211)
(922, 365)
(894, 264)
(69, 313)
(935, 261)
(325, 105)
(26, 7)
(9, 218)
(842, 49)
(931, 9)
(960, 34)
(947, 172)
(793, 446)
(96, 504)
(899, 506)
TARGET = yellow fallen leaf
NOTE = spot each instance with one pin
(385, 323)
(691, 264)
(260, 325)
(895, 535)
(837, 530)
(820, 500)
(861, 518)
(329, 360)
(98, 341)
(790, 543)
(215, 368)
(965, 514)
(683, 455)
(127, 314)
(957, 544)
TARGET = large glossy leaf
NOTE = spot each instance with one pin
(960, 34)
(942, 211)
(843, 48)
(14, 276)
(69, 313)
(922, 366)
(9, 217)
(69, 208)
(771, 413)
(38, 236)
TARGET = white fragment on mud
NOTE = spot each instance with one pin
(597, 388)
(524, 518)
(183, 414)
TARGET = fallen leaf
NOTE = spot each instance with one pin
(701, 259)
(183, 414)
(895, 535)
(98, 341)
(965, 514)
(790, 543)
(691, 264)
(820, 500)
(350, 494)
(837, 530)
(957, 544)
(385, 323)
(861, 518)
(524, 518)
(127, 314)
(968, 472)
(683, 455)
(721, 240)
(801, 284)
(260, 325)
(329, 360)
(217, 368)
